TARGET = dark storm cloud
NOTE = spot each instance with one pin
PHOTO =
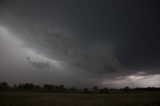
(58, 45)
(87, 67)
(99, 40)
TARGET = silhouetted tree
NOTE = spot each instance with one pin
(101, 91)
(126, 89)
(95, 88)
(60, 88)
(28, 86)
(106, 90)
(48, 87)
(86, 90)
(37, 87)
(20, 86)
(4, 86)
(72, 89)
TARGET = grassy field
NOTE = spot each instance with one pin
(51, 99)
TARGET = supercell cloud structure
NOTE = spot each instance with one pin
(50, 42)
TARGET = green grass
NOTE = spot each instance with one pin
(51, 99)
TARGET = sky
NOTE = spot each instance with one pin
(83, 43)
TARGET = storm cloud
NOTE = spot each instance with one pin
(73, 43)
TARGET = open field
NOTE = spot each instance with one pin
(51, 99)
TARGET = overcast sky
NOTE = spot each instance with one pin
(108, 43)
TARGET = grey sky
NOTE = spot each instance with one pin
(79, 42)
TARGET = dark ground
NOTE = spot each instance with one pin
(62, 99)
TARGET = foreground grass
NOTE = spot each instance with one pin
(51, 99)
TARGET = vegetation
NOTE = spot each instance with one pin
(50, 95)
(29, 87)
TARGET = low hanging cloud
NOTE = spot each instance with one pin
(40, 64)
(133, 81)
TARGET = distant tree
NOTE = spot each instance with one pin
(25, 86)
(60, 88)
(106, 90)
(28, 86)
(126, 89)
(72, 89)
(4, 86)
(48, 87)
(95, 88)
(20, 86)
(86, 90)
(37, 87)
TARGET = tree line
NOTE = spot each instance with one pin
(4, 86)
